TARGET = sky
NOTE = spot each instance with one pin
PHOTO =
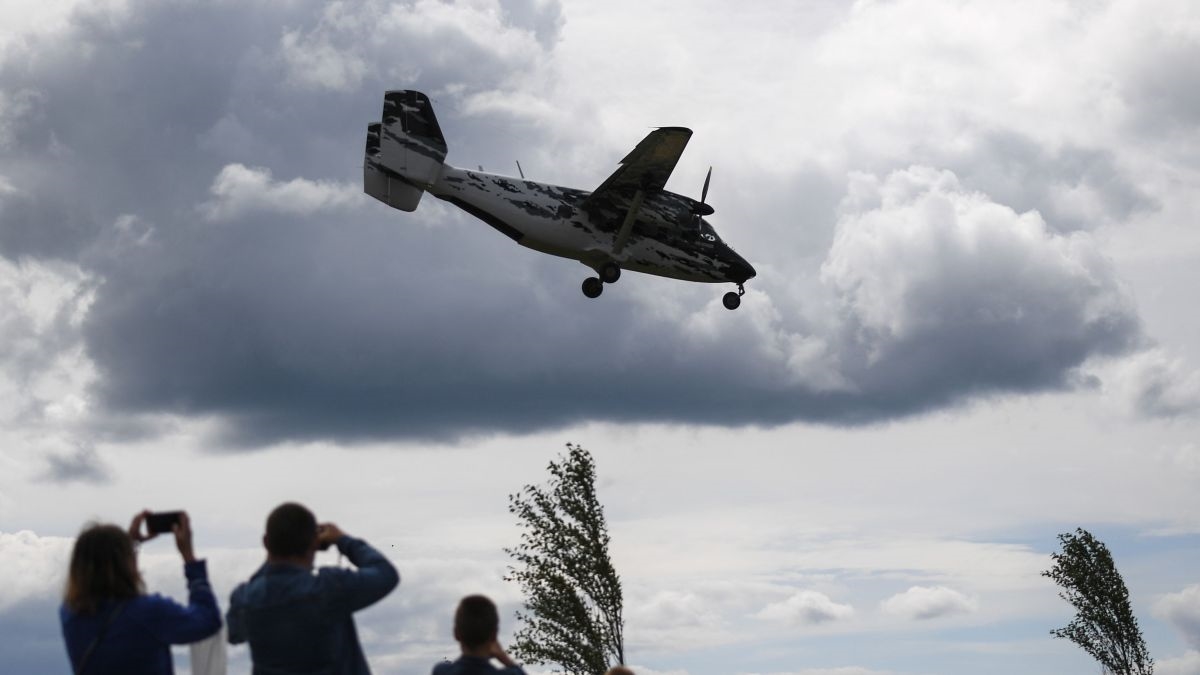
(972, 328)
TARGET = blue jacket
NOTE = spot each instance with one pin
(139, 639)
(298, 621)
(474, 665)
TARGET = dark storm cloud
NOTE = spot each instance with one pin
(323, 317)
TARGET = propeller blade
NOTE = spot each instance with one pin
(704, 192)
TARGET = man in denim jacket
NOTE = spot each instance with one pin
(298, 621)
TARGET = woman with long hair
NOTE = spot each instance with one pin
(109, 622)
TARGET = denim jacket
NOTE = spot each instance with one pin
(298, 621)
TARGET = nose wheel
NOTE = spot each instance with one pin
(733, 300)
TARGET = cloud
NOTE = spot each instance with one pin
(944, 290)
(42, 309)
(82, 463)
(464, 46)
(925, 602)
(35, 567)
(324, 315)
(1186, 664)
(1071, 187)
(1182, 610)
(668, 618)
(238, 190)
(1154, 384)
(844, 670)
(806, 607)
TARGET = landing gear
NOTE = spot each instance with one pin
(593, 287)
(733, 300)
(610, 272)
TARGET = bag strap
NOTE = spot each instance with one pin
(112, 615)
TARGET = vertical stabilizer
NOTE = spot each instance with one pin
(411, 141)
(404, 152)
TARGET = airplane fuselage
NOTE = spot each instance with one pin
(666, 239)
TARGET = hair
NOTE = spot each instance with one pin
(618, 670)
(476, 621)
(103, 567)
(291, 530)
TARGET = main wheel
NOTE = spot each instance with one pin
(731, 300)
(593, 287)
(610, 272)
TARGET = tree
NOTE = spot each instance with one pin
(573, 602)
(1104, 625)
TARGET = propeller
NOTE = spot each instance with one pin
(702, 209)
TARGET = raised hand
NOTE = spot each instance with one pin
(183, 537)
(136, 532)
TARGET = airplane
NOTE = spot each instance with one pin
(628, 223)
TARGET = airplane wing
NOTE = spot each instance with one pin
(646, 168)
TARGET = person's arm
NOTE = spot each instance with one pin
(201, 618)
(374, 578)
(175, 624)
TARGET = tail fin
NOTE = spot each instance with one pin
(404, 152)
(383, 184)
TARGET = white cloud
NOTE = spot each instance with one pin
(30, 24)
(314, 63)
(1182, 609)
(915, 252)
(933, 278)
(643, 670)
(1153, 383)
(844, 670)
(239, 189)
(43, 365)
(924, 602)
(470, 47)
(806, 607)
(1186, 664)
(34, 567)
(666, 619)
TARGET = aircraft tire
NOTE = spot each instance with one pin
(610, 272)
(593, 287)
(731, 300)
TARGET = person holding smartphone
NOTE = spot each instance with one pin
(109, 623)
(300, 620)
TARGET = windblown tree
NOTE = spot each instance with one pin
(572, 615)
(1104, 625)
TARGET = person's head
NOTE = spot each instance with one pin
(103, 567)
(291, 532)
(618, 670)
(476, 622)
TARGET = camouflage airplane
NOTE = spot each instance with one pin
(630, 222)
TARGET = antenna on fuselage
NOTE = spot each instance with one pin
(519, 170)
(480, 167)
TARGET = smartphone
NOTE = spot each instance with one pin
(157, 523)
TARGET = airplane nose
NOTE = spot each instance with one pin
(740, 271)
